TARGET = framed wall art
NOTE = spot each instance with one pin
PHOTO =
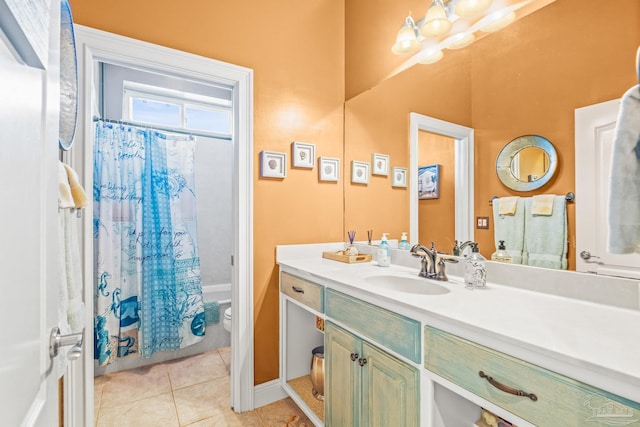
(399, 178)
(359, 172)
(303, 155)
(429, 182)
(328, 169)
(380, 164)
(273, 164)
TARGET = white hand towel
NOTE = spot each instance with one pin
(508, 205)
(542, 204)
(624, 187)
(510, 228)
(545, 236)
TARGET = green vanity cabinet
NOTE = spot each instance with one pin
(342, 377)
(540, 396)
(364, 386)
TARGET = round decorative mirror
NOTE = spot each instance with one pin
(68, 79)
(527, 163)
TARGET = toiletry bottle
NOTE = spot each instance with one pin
(384, 252)
(475, 273)
(403, 242)
(456, 249)
(501, 255)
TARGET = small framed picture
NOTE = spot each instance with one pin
(429, 182)
(328, 169)
(359, 172)
(380, 164)
(303, 155)
(399, 177)
(273, 164)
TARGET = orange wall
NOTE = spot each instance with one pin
(434, 215)
(377, 121)
(296, 50)
(526, 79)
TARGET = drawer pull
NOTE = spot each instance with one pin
(354, 357)
(362, 361)
(297, 289)
(506, 388)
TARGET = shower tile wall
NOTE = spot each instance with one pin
(213, 171)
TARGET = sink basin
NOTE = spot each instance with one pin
(409, 285)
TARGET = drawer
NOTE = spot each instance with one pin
(559, 401)
(394, 331)
(304, 291)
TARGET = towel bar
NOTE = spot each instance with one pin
(570, 197)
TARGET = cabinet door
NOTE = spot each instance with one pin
(389, 390)
(342, 379)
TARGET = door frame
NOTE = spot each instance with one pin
(96, 45)
(592, 184)
(464, 173)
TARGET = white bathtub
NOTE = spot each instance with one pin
(220, 293)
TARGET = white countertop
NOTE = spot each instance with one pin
(593, 343)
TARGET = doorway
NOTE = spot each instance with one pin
(462, 139)
(97, 47)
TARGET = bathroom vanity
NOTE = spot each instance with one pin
(403, 350)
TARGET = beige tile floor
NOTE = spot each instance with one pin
(193, 392)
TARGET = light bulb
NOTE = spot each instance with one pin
(497, 21)
(460, 40)
(467, 8)
(406, 41)
(436, 22)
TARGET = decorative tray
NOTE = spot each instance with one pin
(342, 257)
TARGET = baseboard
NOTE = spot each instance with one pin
(268, 392)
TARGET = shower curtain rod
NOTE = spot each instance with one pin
(163, 129)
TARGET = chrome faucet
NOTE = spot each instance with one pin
(432, 262)
(427, 259)
(464, 245)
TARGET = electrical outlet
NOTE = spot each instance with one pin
(482, 222)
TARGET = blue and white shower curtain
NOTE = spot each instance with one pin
(148, 285)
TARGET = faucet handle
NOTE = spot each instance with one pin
(440, 269)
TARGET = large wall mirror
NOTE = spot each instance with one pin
(497, 88)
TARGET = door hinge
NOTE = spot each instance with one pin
(231, 260)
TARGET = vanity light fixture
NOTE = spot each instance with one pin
(497, 20)
(452, 24)
(436, 21)
(467, 8)
(430, 56)
(407, 39)
(460, 40)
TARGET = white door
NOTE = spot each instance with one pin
(594, 133)
(29, 105)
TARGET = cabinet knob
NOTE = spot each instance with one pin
(362, 361)
(354, 357)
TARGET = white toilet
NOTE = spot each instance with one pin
(226, 321)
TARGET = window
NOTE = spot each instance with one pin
(174, 109)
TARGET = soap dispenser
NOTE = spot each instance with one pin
(501, 255)
(403, 242)
(384, 252)
(475, 272)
